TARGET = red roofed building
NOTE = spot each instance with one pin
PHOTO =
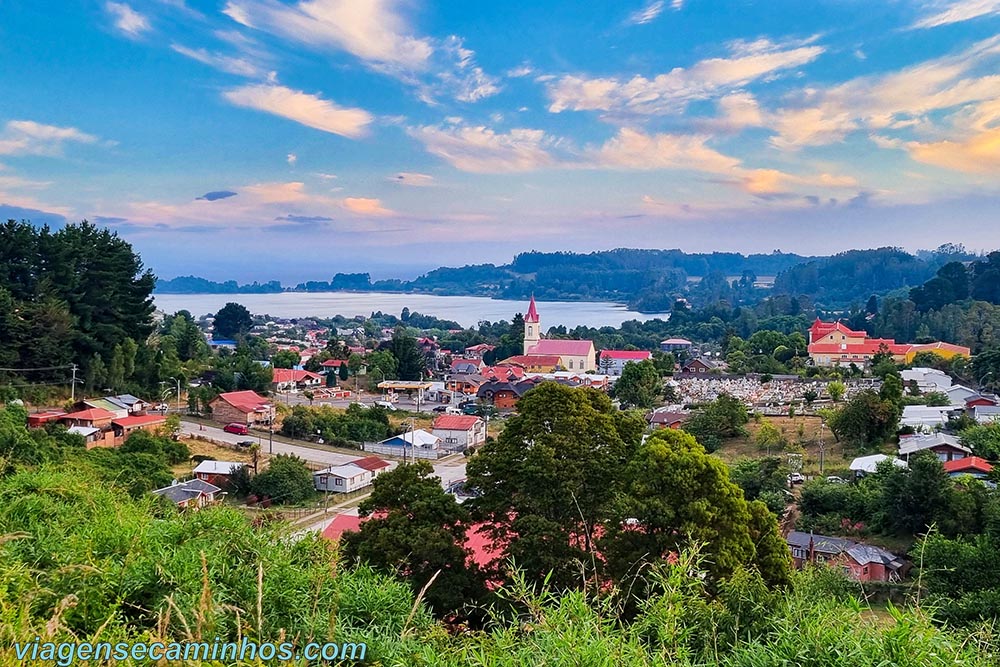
(532, 363)
(126, 425)
(970, 465)
(457, 432)
(574, 355)
(372, 464)
(613, 361)
(243, 407)
(92, 417)
(835, 344)
(285, 379)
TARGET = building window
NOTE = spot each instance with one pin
(571, 364)
(338, 482)
(530, 331)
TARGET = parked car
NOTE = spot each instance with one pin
(386, 405)
(245, 443)
(796, 478)
(236, 428)
(452, 410)
(441, 408)
(833, 479)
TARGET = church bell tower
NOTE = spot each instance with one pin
(532, 326)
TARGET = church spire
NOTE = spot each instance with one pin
(532, 315)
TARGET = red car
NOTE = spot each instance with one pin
(238, 429)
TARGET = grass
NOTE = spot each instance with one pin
(211, 450)
(804, 435)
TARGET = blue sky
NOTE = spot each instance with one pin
(269, 139)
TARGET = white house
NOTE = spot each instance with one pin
(342, 479)
(925, 418)
(866, 465)
(457, 432)
(927, 379)
(986, 414)
(613, 361)
(945, 447)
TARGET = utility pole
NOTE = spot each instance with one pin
(72, 388)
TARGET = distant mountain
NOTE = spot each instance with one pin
(647, 280)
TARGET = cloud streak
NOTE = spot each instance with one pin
(127, 20)
(305, 108)
(27, 137)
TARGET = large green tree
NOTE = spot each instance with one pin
(232, 321)
(410, 362)
(416, 530)
(639, 384)
(547, 480)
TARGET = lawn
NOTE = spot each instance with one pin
(213, 451)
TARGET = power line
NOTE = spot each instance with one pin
(43, 368)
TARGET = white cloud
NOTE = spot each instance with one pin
(902, 99)
(292, 158)
(647, 14)
(366, 207)
(520, 71)
(670, 92)
(411, 178)
(979, 154)
(957, 12)
(376, 32)
(304, 108)
(126, 19)
(631, 149)
(480, 150)
(229, 64)
(372, 30)
(26, 137)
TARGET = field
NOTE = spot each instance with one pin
(804, 435)
(210, 450)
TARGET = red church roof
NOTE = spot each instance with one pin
(550, 346)
(820, 328)
(532, 315)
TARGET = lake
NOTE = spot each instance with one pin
(466, 310)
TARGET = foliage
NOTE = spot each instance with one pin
(547, 480)
(723, 418)
(417, 530)
(355, 424)
(836, 390)
(764, 479)
(639, 384)
(866, 421)
(287, 480)
(285, 359)
(410, 363)
(983, 440)
(233, 321)
(162, 447)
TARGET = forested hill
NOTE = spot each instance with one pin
(648, 280)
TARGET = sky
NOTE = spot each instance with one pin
(293, 139)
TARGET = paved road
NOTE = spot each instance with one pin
(449, 470)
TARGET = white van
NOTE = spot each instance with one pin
(452, 410)
(385, 404)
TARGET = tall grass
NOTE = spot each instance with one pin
(82, 561)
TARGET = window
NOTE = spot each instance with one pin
(530, 331)
(338, 482)
(571, 364)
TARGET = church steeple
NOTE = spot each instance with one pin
(532, 326)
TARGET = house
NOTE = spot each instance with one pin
(190, 495)
(477, 351)
(92, 437)
(866, 465)
(958, 394)
(927, 418)
(467, 366)
(613, 361)
(946, 447)
(127, 425)
(985, 414)
(926, 379)
(333, 365)
(372, 464)
(576, 355)
(98, 418)
(218, 473)
(701, 366)
(861, 562)
(419, 444)
(40, 419)
(834, 344)
(418, 438)
(504, 394)
(667, 419)
(342, 479)
(465, 384)
(534, 363)
(676, 345)
(970, 465)
(980, 400)
(244, 407)
(458, 432)
(287, 379)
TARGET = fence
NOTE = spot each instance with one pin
(410, 453)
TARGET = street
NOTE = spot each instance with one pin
(449, 470)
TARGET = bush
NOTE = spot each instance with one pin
(287, 480)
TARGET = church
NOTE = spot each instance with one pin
(573, 355)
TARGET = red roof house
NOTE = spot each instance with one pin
(970, 465)
(244, 407)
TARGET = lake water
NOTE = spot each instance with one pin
(466, 310)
